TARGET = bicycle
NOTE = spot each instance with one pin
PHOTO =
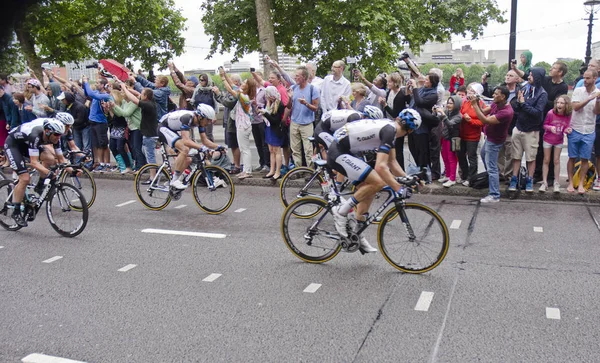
(212, 186)
(63, 203)
(412, 237)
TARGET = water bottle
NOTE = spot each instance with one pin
(186, 175)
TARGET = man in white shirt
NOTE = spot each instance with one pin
(582, 132)
(334, 86)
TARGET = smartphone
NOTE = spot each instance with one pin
(514, 61)
(252, 69)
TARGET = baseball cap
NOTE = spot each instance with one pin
(61, 96)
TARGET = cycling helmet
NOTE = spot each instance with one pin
(65, 118)
(34, 82)
(373, 112)
(410, 118)
(55, 126)
(205, 111)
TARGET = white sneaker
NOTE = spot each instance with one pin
(448, 183)
(556, 188)
(365, 246)
(443, 179)
(340, 221)
(465, 183)
(219, 183)
(543, 187)
(177, 184)
(489, 199)
(596, 185)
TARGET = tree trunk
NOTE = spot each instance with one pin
(266, 32)
(28, 46)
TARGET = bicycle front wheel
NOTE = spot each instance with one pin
(67, 210)
(6, 220)
(312, 239)
(413, 239)
(84, 183)
(298, 183)
(152, 187)
(213, 190)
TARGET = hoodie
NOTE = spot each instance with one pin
(452, 120)
(55, 103)
(527, 67)
(531, 112)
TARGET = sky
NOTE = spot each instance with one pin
(549, 28)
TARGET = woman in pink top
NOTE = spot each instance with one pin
(557, 122)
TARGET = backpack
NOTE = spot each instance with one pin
(480, 181)
(589, 177)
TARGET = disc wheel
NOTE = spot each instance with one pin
(153, 192)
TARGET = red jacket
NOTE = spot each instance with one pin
(470, 130)
(453, 80)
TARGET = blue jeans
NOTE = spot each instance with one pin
(149, 146)
(489, 154)
(135, 145)
(83, 139)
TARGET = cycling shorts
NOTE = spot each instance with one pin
(340, 159)
(168, 136)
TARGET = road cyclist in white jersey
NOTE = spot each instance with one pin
(174, 129)
(368, 135)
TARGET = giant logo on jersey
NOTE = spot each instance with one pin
(365, 138)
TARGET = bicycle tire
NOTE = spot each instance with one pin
(294, 181)
(80, 182)
(6, 220)
(430, 223)
(146, 193)
(70, 201)
(205, 196)
(326, 248)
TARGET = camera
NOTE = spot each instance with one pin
(252, 69)
(514, 61)
(487, 74)
(93, 65)
(404, 55)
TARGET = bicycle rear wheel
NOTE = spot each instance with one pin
(298, 183)
(67, 210)
(6, 220)
(153, 192)
(314, 238)
(84, 183)
(413, 239)
(217, 198)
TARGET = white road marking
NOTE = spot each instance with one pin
(127, 268)
(424, 301)
(181, 206)
(125, 203)
(553, 313)
(184, 233)
(212, 277)
(240, 210)
(42, 358)
(455, 224)
(55, 258)
(312, 288)
(1, 247)
(538, 229)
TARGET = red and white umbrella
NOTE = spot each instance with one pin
(115, 68)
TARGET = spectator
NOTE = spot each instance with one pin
(312, 75)
(186, 86)
(161, 91)
(274, 135)
(497, 119)
(582, 132)
(24, 116)
(148, 124)
(594, 64)
(525, 138)
(229, 101)
(359, 91)
(557, 122)
(334, 87)
(457, 80)
(396, 99)
(6, 84)
(524, 67)
(435, 133)
(38, 99)
(204, 94)
(470, 134)
(462, 92)
(98, 122)
(303, 102)
(375, 89)
(133, 115)
(258, 130)
(451, 119)
(53, 91)
(243, 115)
(81, 126)
(118, 125)
(9, 110)
(511, 81)
(73, 87)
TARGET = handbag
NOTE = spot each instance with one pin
(455, 144)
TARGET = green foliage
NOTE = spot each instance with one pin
(71, 30)
(573, 71)
(544, 65)
(11, 58)
(376, 31)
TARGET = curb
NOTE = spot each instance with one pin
(431, 189)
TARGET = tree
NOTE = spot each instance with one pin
(72, 30)
(11, 58)
(375, 31)
(266, 33)
(544, 65)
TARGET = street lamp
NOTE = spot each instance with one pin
(592, 8)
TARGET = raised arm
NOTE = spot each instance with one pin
(258, 78)
(129, 96)
(227, 83)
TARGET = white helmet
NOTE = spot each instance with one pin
(55, 126)
(65, 117)
(410, 118)
(373, 112)
(205, 111)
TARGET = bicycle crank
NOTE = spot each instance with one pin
(351, 243)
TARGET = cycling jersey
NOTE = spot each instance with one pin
(24, 141)
(170, 124)
(332, 121)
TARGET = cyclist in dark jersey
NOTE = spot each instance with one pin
(360, 136)
(26, 141)
(174, 130)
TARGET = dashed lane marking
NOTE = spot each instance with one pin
(184, 233)
(424, 301)
(553, 313)
(455, 224)
(538, 229)
(42, 358)
(127, 268)
(181, 206)
(312, 288)
(240, 210)
(1, 247)
(50, 260)
(212, 277)
(125, 203)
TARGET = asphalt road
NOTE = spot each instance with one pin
(505, 293)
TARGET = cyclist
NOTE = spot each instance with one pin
(174, 130)
(335, 119)
(367, 135)
(24, 142)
